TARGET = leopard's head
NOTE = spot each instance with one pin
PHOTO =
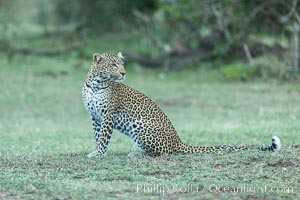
(107, 67)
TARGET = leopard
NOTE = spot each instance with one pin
(113, 105)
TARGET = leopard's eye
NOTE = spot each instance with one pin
(114, 66)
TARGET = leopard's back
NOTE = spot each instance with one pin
(138, 117)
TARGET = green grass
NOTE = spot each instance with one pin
(46, 134)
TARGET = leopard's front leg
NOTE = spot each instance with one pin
(102, 132)
(97, 131)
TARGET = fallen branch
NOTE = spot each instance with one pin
(177, 60)
(145, 60)
(7, 48)
(173, 60)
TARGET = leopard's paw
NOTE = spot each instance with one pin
(93, 154)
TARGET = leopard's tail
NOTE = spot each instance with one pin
(275, 146)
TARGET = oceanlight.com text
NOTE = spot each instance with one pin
(212, 188)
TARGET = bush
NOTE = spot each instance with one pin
(238, 71)
(273, 67)
(265, 68)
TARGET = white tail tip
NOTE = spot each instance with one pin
(276, 143)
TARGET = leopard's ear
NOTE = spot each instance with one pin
(97, 57)
(120, 55)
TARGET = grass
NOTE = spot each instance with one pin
(46, 134)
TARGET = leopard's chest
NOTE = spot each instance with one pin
(96, 103)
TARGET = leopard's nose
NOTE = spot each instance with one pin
(123, 73)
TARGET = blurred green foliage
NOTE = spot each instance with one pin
(101, 16)
(229, 23)
(162, 27)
